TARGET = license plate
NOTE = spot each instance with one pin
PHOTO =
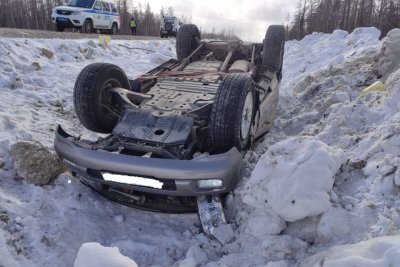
(63, 19)
(132, 180)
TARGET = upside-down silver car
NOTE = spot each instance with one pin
(177, 134)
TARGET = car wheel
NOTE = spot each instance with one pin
(168, 26)
(60, 28)
(87, 26)
(114, 29)
(232, 114)
(187, 40)
(94, 103)
(273, 49)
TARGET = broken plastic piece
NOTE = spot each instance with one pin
(378, 87)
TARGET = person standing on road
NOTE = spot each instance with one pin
(132, 25)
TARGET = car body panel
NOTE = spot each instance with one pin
(85, 161)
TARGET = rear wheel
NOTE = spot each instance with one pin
(87, 26)
(187, 40)
(94, 103)
(273, 49)
(114, 29)
(232, 114)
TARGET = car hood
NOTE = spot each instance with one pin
(70, 8)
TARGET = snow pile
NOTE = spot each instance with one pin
(378, 252)
(95, 255)
(294, 178)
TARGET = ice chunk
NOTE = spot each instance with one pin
(294, 178)
(95, 255)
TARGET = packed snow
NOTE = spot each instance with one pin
(321, 189)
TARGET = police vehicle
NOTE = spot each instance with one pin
(87, 16)
(169, 26)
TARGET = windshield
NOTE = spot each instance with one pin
(81, 3)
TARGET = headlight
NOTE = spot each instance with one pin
(76, 12)
(210, 184)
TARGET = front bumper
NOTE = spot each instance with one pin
(178, 176)
(67, 21)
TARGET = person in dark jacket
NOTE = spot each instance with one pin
(133, 25)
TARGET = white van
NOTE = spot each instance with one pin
(87, 15)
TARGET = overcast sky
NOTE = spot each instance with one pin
(248, 19)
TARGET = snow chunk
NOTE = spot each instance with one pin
(194, 257)
(390, 52)
(294, 178)
(119, 218)
(277, 264)
(378, 252)
(224, 233)
(95, 255)
(264, 222)
(336, 224)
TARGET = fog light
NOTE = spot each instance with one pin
(210, 184)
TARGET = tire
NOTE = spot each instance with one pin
(114, 29)
(94, 106)
(273, 49)
(87, 26)
(187, 40)
(60, 28)
(230, 112)
(168, 26)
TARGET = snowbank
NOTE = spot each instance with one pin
(294, 178)
(95, 255)
(377, 252)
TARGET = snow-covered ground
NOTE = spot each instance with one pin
(325, 178)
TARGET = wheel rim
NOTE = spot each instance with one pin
(247, 114)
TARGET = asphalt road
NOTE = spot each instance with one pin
(24, 33)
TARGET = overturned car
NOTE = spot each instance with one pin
(177, 134)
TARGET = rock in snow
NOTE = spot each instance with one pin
(95, 255)
(35, 163)
(294, 178)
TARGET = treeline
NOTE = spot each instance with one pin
(36, 14)
(329, 15)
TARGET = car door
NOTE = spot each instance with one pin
(106, 15)
(97, 17)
